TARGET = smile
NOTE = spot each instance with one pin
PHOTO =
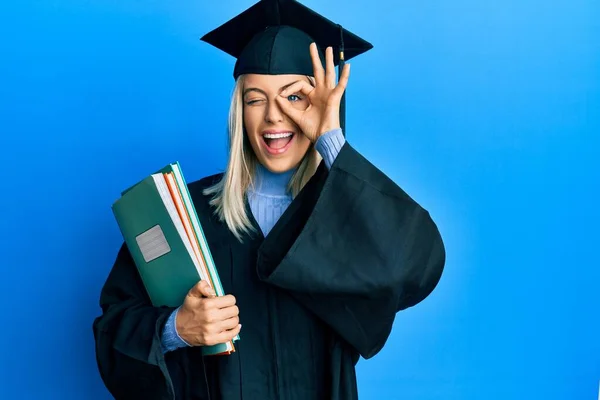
(277, 142)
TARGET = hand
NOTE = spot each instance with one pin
(323, 112)
(206, 320)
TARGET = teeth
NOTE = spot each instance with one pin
(277, 135)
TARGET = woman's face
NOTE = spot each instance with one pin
(276, 140)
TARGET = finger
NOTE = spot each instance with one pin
(228, 312)
(343, 83)
(206, 289)
(201, 289)
(300, 86)
(294, 114)
(217, 315)
(220, 302)
(226, 336)
(227, 324)
(330, 71)
(317, 65)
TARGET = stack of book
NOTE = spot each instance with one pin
(161, 228)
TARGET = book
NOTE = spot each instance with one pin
(163, 233)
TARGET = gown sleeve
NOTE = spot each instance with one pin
(127, 337)
(354, 249)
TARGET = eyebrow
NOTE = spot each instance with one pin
(254, 89)
(246, 91)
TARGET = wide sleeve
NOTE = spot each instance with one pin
(354, 249)
(128, 338)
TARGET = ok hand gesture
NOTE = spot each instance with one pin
(323, 112)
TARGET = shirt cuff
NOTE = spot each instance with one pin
(329, 145)
(170, 338)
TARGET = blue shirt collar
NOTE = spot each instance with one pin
(271, 183)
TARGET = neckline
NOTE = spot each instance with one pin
(258, 238)
(271, 184)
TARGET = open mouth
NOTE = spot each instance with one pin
(277, 142)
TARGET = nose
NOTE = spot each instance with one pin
(273, 113)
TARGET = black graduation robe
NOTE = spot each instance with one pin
(322, 289)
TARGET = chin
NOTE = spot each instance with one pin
(279, 166)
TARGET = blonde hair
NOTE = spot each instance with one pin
(229, 194)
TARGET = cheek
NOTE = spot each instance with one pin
(302, 145)
(247, 119)
(251, 121)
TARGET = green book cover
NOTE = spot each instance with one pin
(161, 256)
(157, 241)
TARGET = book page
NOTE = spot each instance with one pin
(213, 273)
(161, 185)
(198, 229)
(183, 215)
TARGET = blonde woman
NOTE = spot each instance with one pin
(317, 249)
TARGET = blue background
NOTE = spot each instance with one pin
(488, 113)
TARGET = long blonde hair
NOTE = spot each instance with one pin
(229, 194)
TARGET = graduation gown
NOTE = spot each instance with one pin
(322, 289)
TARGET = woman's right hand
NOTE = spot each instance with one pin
(206, 320)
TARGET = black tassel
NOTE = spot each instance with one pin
(340, 69)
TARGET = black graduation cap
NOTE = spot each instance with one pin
(273, 37)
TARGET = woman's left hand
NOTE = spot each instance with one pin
(323, 112)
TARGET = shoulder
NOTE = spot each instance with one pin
(204, 183)
(213, 227)
(196, 188)
(199, 198)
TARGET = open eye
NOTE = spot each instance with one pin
(294, 97)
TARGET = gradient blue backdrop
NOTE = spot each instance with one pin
(488, 113)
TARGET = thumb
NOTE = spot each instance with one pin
(202, 289)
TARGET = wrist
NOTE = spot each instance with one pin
(325, 129)
(180, 318)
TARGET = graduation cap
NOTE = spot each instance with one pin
(273, 37)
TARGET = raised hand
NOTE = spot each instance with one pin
(206, 320)
(323, 112)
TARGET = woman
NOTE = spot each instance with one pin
(316, 247)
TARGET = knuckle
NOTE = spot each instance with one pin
(204, 305)
(209, 316)
(205, 338)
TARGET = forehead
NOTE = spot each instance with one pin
(270, 82)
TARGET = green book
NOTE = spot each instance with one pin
(169, 261)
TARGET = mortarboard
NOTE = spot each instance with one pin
(273, 37)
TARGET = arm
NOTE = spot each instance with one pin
(170, 337)
(128, 338)
(355, 249)
(329, 145)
